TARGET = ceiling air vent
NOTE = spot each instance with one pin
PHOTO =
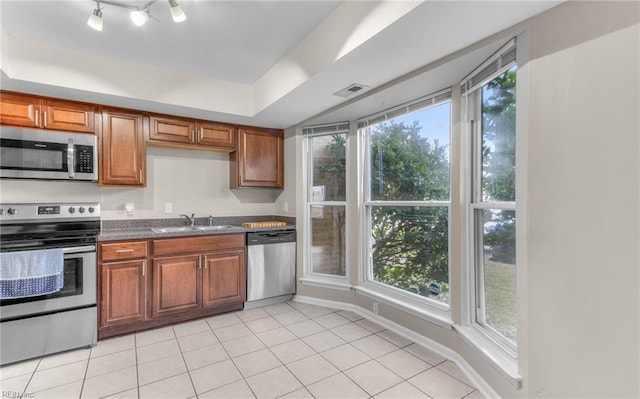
(350, 90)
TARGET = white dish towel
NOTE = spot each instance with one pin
(31, 273)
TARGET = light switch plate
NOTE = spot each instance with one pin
(168, 207)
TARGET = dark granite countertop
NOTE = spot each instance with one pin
(132, 229)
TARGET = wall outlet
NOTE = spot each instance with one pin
(168, 207)
(286, 206)
(375, 307)
(128, 208)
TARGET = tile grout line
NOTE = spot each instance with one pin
(33, 373)
(185, 360)
(231, 359)
(86, 371)
(135, 353)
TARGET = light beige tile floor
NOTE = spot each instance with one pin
(287, 350)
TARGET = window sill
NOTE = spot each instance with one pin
(505, 364)
(430, 314)
(333, 284)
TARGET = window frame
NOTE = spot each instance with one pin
(475, 204)
(423, 306)
(309, 133)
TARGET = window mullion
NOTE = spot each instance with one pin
(426, 204)
(502, 205)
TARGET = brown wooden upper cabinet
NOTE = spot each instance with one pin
(259, 159)
(44, 113)
(177, 132)
(123, 151)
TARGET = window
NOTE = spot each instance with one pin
(406, 199)
(491, 107)
(326, 199)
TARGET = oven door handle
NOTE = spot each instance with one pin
(76, 250)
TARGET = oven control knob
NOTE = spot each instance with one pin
(81, 209)
(12, 211)
(72, 210)
(91, 209)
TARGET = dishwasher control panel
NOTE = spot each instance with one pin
(271, 237)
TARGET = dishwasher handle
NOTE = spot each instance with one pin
(271, 237)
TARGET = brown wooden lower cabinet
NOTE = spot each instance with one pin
(223, 278)
(123, 292)
(179, 279)
(176, 285)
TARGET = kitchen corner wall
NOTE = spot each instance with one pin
(192, 181)
(286, 203)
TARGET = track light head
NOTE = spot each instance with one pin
(95, 20)
(176, 11)
(139, 17)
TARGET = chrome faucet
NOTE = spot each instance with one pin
(191, 219)
(210, 220)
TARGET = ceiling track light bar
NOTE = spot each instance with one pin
(139, 14)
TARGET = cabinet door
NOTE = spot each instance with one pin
(19, 110)
(176, 285)
(223, 278)
(123, 292)
(259, 159)
(216, 135)
(68, 116)
(173, 130)
(122, 149)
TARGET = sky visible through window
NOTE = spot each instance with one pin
(435, 122)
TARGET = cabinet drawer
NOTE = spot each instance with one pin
(171, 246)
(123, 250)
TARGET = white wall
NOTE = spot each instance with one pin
(579, 209)
(286, 203)
(193, 181)
(583, 264)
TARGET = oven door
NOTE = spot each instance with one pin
(79, 290)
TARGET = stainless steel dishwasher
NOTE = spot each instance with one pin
(271, 264)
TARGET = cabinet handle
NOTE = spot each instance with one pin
(144, 268)
(140, 175)
(44, 119)
(36, 115)
(206, 258)
(199, 263)
(122, 251)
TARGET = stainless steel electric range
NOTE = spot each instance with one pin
(36, 325)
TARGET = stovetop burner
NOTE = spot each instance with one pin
(41, 226)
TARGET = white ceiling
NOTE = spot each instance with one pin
(236, 41)
(250, 46)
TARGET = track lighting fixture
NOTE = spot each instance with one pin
(139, 14)
(95, 20)
(139, 17)
(176, 11)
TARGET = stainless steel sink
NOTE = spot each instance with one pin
(171, 229)
(190, 228)
(221, 227)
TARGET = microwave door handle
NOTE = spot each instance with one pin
(71, 159)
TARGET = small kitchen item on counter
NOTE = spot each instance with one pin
(37, 325)
(269, 223)
(271, 264)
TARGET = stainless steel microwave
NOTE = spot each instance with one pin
(40, 154)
